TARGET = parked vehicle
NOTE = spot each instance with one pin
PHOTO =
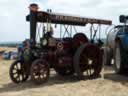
(6, 55)
(14, 55)
(68, 55)
(118, 45)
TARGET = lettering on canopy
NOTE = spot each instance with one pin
(64, 18)
(69, 19)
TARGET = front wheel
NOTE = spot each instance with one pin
(18, 72)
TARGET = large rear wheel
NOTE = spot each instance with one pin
(88, 58)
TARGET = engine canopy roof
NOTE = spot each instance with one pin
(56, 18)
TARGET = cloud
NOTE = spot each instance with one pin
(91, 3)
(13, 12)
(13, 20)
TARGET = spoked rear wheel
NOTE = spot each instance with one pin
(39, 71)
(88, 58)
(18, 72)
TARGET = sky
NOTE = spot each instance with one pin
(13, 26)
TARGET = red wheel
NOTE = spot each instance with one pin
(39, 71)
(88, 58)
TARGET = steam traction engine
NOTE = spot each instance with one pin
(117, 43)
(67, 55)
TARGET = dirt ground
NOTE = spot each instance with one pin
(7, 48)
(112, 85)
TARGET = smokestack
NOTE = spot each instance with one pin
(33, 8)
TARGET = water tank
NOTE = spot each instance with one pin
(111, 36)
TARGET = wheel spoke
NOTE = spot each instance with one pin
(89, 71)
(16, 66)
(20, 77)
(17, 77)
